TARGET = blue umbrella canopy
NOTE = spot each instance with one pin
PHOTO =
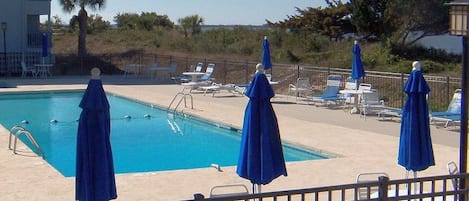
(95, 179)
(358, 70)
(415, 144)
(261, 157)
(266, 60)
(45, 45)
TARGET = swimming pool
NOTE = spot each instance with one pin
(143, 137)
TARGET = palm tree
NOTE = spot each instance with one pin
(192, 23)
(82, 17)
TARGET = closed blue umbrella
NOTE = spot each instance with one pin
(45, 45)
(266, 60)
(415, 144)
(261, 157)
(358, 70)
(95, 179)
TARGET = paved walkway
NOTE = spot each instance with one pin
(360, 145)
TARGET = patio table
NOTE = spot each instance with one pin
(43, 70)
(355, 93)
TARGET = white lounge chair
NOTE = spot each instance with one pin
(330, 94)
(453, 112)
(389, 113)
(217, 88)
(208, 73)
(198, 67)
(302, 85)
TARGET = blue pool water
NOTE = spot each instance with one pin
(139, 144)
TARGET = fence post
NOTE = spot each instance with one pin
(298, 71)
(402, 87)
(383, 188)
(447, 99)
(225, 72)
(247, 74)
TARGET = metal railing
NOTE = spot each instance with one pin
(388, 85)
(18, 131)
(424, 188)
(182, 96)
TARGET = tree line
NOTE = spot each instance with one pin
(396, 24)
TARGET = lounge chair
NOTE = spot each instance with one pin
(454, 106)
(453, 112)
(389, 113)
(217, 88)
(452, 170)
(198, 67)
(330, 94)
(208, 73)
(370, 103)
(302, 85)
(446, 119)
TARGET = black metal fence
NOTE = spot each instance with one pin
(388, 85)
(444, 187)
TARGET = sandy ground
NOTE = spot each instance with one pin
(359, 145)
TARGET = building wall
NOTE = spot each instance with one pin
(14, 13)
(10, 12)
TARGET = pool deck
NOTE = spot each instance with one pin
(360, 145)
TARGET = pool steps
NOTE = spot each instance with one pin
(16, 132)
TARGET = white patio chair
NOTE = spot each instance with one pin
(364, 193)
(25, 70)
(228, 190)
(370, 103)
(302, 85)
(349, 99)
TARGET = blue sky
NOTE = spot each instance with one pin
(214, 12)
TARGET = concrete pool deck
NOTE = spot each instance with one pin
(360, 145)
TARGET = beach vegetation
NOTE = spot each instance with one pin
(314, 36)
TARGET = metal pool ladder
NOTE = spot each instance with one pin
(16, 132)
(182, 97)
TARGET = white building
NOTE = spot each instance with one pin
(21, 33)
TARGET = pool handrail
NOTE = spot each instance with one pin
(19, 131)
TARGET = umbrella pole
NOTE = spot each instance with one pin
(415, 186)
(256, 190)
